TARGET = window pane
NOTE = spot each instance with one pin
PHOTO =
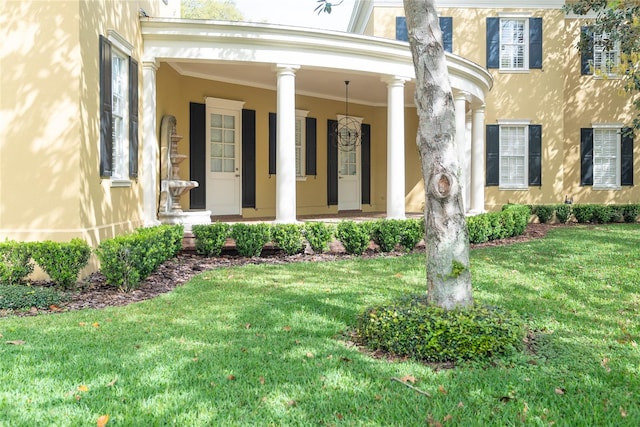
(216, 150)
(216, 165)
(216, 120)
(605, 157)
(229, 165)
(229, 136)
(216, 135)
(229, 151)
(229, 122)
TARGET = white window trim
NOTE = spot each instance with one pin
(123, 48)
(302, 115)
(610, 126)
(516, 17)
(515, 123)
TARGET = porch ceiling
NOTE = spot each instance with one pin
(367, 89)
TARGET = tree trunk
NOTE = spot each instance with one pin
(446, 237)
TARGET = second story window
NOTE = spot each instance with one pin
(600, 54)
(514, 43)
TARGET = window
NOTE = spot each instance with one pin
(514, 43)
(514, 155)
(601, 55)
(606, 152)
(300, 142)
(118, 110)
(446, 26)
(606, 55)
(119, 113)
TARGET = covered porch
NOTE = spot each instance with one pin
(283, 87)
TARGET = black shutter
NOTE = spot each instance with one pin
(446, 26)
(133, 118)
(197, 154)
(493, 42)
(626, 171)
(332, 163)
(535, 43)
(106, 124)
(401, 29)
(272, 143)
(310, 146)
(586, 156)
(493, 155)
(535, 155)
(365, 162)
(248, 158)
(586, 54)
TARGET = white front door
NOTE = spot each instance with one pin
(349, 191)
(223, 162)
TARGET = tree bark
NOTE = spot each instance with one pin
(446, 237)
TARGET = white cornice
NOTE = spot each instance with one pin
(492, 4)
(176, 40)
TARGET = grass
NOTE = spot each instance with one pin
(265, 345)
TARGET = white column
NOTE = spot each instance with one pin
(286, 144)
(477, 161)
(395, 148)
(460, 101)
(150, 144)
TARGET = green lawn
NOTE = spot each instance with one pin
(266, 345)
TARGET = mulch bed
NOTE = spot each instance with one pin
(94, 292)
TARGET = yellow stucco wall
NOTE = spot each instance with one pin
(49, 177)
(556, 97)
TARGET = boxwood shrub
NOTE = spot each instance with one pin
(563, 212)
(15, 262)
(411, 233)
(386, 233)
(210, 238)
(411, 327)
(318, 235)
(250, 238)
(288, 237)
(354, 236)
(62, 261)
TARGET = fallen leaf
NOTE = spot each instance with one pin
(77, 397)
(460, 405)
(111, 384)
(83, 388)
(54, 307)
(16, 342)
(623, 413)
(605, 364)
(398, 275)
(447, 417)
(82, 324)
(310, 355)
(262, 380)
(230, 276)
(102, 421)
(442, 390)
(377, 397)
(287, 328)
(195, 359)
(560, 391)
(339, 416)
(231, 377)
(292, 403)
(247, 326)
(408, 379)
(96, 324)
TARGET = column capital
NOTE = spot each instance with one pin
(479, 109)
(394, 80)
(150, 64)
(286, 68)
(461, 96)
